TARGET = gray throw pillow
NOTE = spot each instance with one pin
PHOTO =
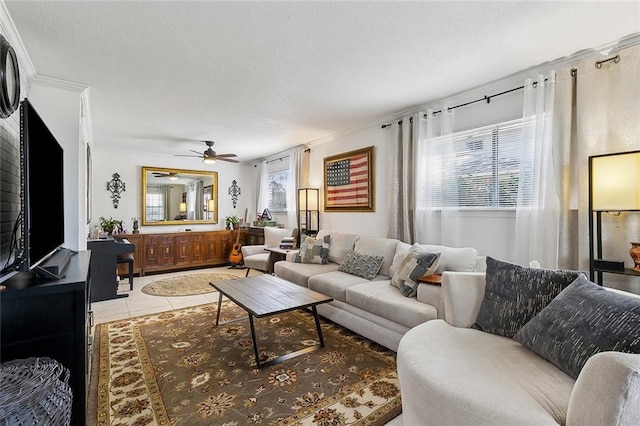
(582, 320)
(416, 264)
(362, 265)
(514, 294)
(314, 251)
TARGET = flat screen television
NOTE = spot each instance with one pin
(42, 189)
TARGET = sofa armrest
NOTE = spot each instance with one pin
(463, 293)
(291, 255)
(251, 250)
(607, 391)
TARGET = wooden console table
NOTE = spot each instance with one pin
(163, 252)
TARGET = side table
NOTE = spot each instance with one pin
(276, 254)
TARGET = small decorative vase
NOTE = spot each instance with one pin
(634, 252)
(135, 226)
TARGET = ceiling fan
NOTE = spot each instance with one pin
(170, 175)
(209, 156)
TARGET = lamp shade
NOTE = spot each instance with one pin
(615, 182)
(183, 207)
(210, 205)
(308, 199)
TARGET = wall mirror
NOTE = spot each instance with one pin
(177, 196)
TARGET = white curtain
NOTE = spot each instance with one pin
(262, 200)
(437, 210)
(537, 212)
(295, 166)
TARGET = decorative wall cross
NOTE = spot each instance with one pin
(234, 191)
(116, 187)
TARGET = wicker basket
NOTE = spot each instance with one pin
(34, 391)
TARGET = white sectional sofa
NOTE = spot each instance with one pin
(451, 374)
(374, 308)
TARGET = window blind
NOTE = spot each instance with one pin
(477, 168)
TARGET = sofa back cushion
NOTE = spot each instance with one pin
(339, 244)
(375, 246)
(456, 259)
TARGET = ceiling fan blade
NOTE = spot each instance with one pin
(197, 152)
(226, 155)
(185, 155)
(228, 159)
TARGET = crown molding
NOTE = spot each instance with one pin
(10, 31)
(57, 83)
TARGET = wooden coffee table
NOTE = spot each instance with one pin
(264, 295)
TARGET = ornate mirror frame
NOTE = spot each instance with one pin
(185, 200)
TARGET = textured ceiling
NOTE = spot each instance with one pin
(259, 77)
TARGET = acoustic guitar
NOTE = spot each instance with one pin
(235, 256)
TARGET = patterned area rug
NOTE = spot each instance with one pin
(187, 285)
(177, 368)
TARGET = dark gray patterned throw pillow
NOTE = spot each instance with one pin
(514, 294)
(582, 320)
(362, 265)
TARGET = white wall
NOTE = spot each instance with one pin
(58, 104)
(129, 166)
(365, 223)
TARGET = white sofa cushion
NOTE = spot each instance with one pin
(300, 273)
(461, 376)
(339, 244)
(382, 299)
(462, 259)
(335, 284)
(374, 246)
(273, 235)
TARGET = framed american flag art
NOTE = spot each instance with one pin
(349, 181)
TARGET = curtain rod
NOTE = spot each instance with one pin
(485, 98)
(281, 158)
(574, 72)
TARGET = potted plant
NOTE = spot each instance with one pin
(108, 225)
(231, 221)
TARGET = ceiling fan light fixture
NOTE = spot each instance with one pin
(208, 160)
(173, 176)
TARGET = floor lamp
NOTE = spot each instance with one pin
(308, 210)
(614, 186)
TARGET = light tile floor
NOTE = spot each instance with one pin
(139, 303)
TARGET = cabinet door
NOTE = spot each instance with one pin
(218, 246)
(151, 251)
(182, 245)
(197, 249)
(158, 251)
(136, 240)
(166, 251)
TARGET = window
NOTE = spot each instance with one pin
(154, 203)
(478, 168)
(278, 182)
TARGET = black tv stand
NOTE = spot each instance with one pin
(53, 268)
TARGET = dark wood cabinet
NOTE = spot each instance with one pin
(252, 236)
(50, 318)
(181, 250)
